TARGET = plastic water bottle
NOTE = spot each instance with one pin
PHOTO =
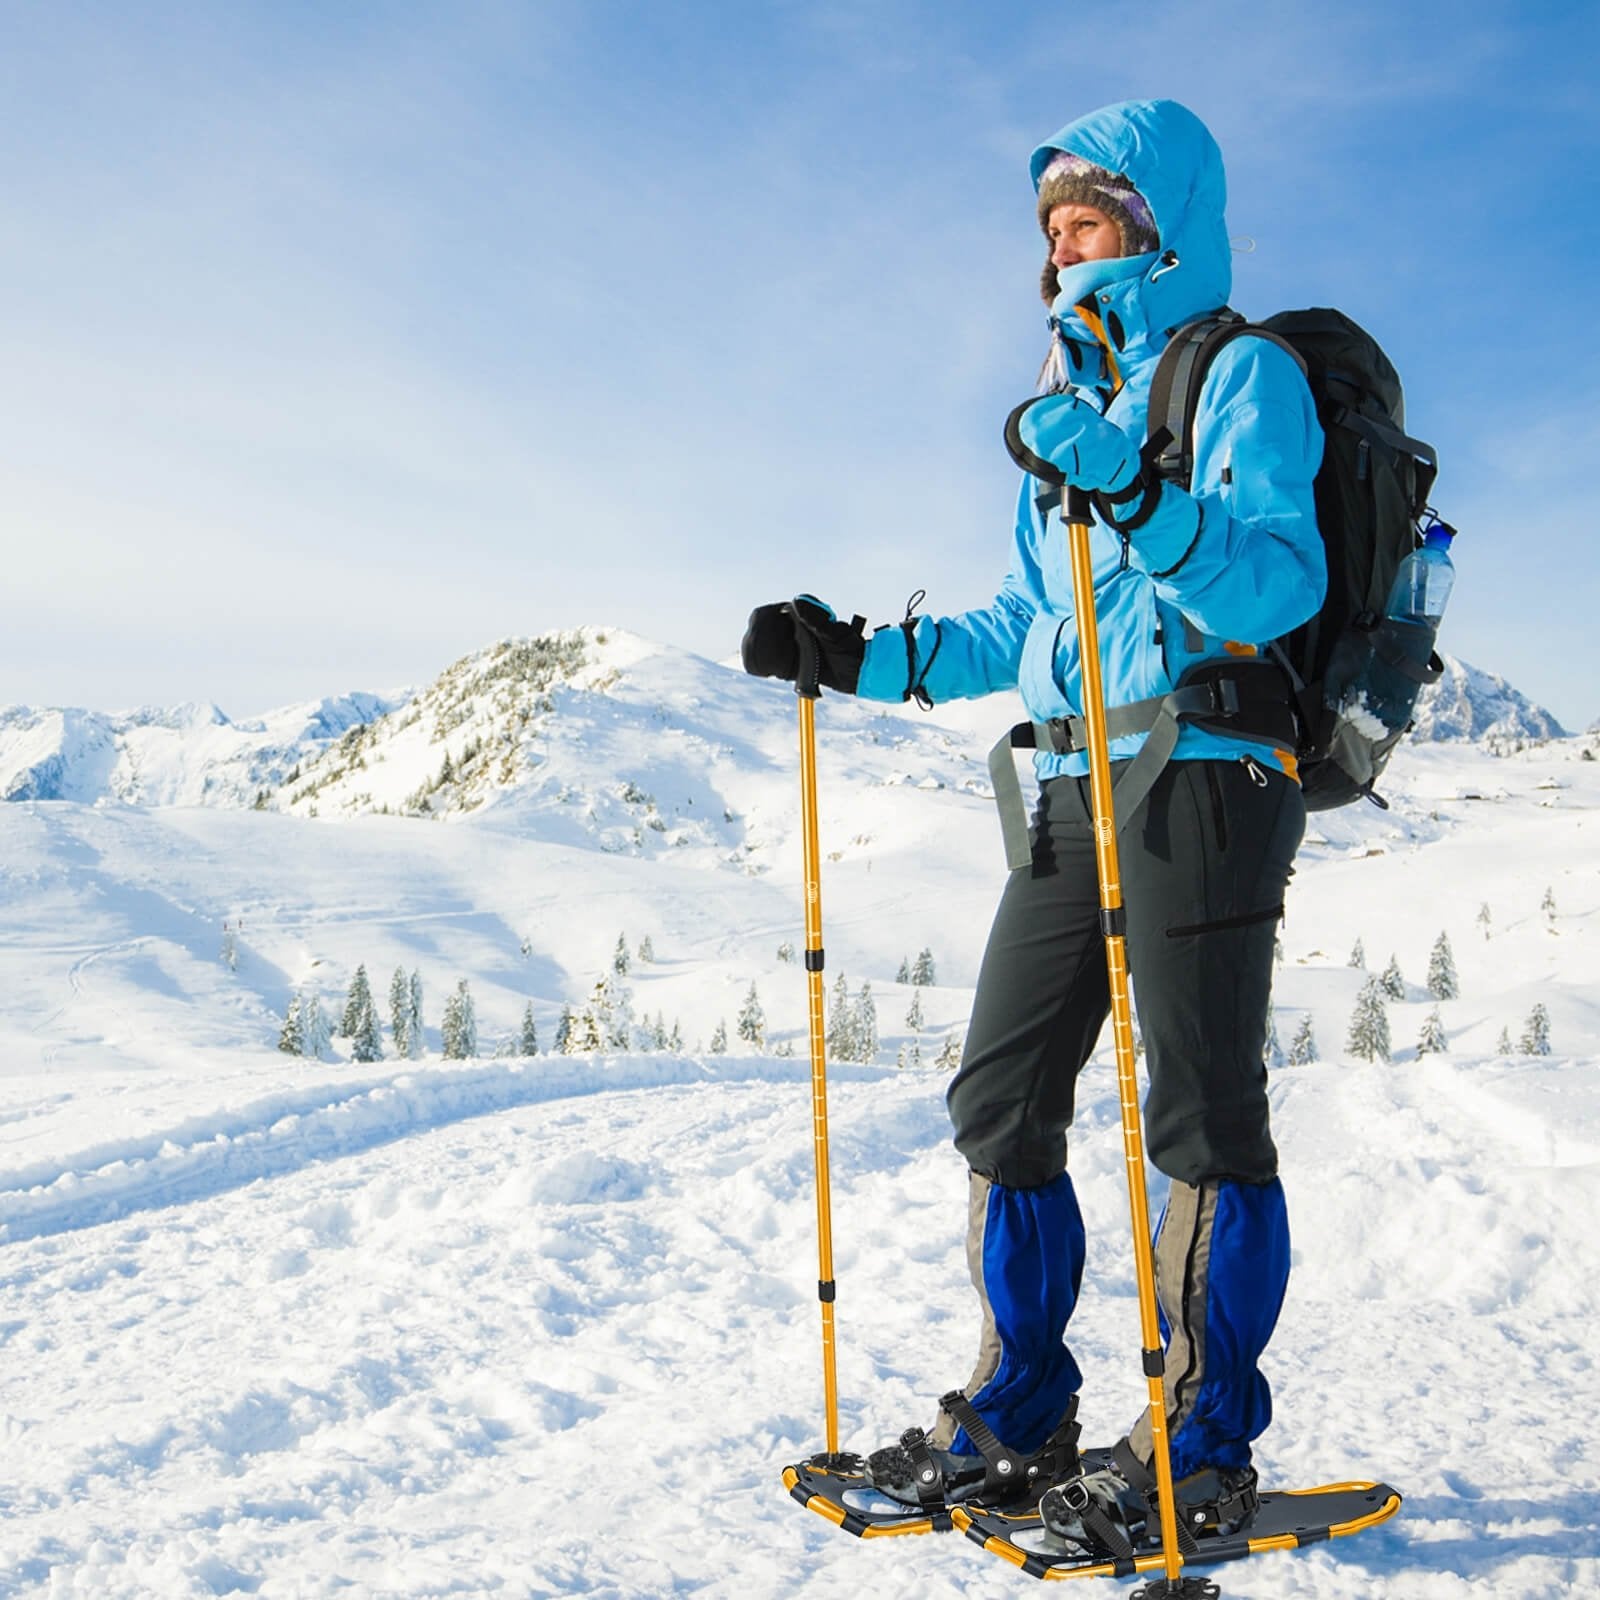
(1423, 581)
(1383, 693)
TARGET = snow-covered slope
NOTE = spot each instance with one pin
(299, 1328)
(182, 755)
(599, 734)
(602, 738)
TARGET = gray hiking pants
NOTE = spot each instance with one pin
(1205, 863)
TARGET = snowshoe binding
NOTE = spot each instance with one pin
(1111, 1512)
(911, 1487)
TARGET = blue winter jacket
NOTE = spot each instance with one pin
(1231, 563)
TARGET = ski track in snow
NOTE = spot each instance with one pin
(280, 1134)
(461, 1363)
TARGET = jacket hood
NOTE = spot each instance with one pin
(1169, 156)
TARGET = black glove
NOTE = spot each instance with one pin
(771, 644)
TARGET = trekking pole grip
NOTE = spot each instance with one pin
(1076, 503)
(808, 674)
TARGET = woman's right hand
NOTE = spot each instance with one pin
(771, 644)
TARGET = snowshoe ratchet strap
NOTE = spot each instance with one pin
(1008, 1471)
(1005, 1466)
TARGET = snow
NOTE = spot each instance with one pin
(548, 1326)
(178, 755)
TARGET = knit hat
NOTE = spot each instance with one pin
(1073, 180)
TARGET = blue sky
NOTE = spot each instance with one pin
(342, 339)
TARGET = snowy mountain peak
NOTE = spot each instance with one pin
(1469, 703)
(602, 739)
(467, 734)
(189, 754)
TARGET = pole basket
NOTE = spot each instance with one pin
(1178, 1589)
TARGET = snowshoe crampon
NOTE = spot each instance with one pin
(1281, 1520)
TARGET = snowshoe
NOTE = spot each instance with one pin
(1104, 1522)
(911, 1487)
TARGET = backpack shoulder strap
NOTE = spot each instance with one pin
(1179, 376)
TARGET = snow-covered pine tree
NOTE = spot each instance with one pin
(914, 1013)
(1443, 984)
(460, 1029)
(1502, 1045)
(587, 1037)
(450, 1029)
(1536, 1032)
(1272, 1051)
(612, 1004)
(949, 1056)
(752, 1023)
(786, 951)
(1303, 1047)
(1432, 1041)
(1484, 918)
(357, 1000)
(317, 1030)
(1369, 1024)
(719, 1039)
(675, 1039)
(1358, 956)
(1277, 950)
(658, 1033)
(866, 1019)
(646, 951)
(400, 1013)
(528, 1040)
(1548, 904)
(922, 967)
(1393, 984)
(903, 974)
(366, 1039)
(841, 1031)
(292, 1036)
(416, 1034)
(619, 956)
(909, 1055)
(564, 1029)
(230, 947)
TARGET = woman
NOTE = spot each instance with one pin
(1131, 201)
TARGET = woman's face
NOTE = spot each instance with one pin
(1082, 233)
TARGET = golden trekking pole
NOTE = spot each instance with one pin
(1113, 921)
(807, 692)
